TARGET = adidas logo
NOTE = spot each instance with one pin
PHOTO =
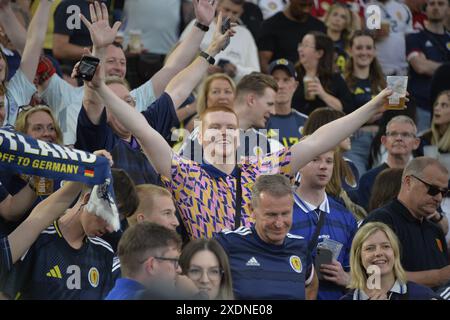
(252, 262)
(428, 44)
(54, 273)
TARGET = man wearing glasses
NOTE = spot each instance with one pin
(148, 255)
(424, 251)
(400, 141)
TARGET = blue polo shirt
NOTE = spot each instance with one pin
(266, 271)
(362, 195)
(161, 116)
(339, 225)
(125, 289)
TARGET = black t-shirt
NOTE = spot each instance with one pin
(281, 35)
(423, 242)
(337, 88)
(66, 23)
(361, 94)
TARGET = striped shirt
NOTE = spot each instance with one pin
(205, 196)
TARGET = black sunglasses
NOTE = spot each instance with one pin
(433, 190)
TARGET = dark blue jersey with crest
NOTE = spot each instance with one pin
(265, 271)
(53, 270)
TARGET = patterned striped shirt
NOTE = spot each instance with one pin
(205, 196)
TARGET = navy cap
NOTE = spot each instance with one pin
(283, 64)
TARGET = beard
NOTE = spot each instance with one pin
(297, 13)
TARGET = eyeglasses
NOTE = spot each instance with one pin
(301, 46)
(433, 190)
(175, 261)
(214, 274)
(404, 135)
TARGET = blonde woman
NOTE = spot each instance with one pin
(216, 90)
(375, 269)
(435, 142)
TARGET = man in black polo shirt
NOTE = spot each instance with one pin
(424, 250)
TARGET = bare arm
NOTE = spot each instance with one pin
(186, 51)
(62, 49)
(264, 59)
(331, 134)
(422, 65)
(35, 40)
(430, 278)
(41, 217)
(14, 207)
(15, 31)
(102, 35)
(312, 289)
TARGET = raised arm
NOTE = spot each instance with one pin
(14, 207)
(186, 51)
(102, 35)
(35, 40)
(330, 135)
(430, 278)
(15, 31)
(183, 83)
(41, 217)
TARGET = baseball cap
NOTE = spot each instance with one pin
(283, 64)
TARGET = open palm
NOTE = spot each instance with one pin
(101, 33)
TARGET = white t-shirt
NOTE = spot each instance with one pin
(66, 101)
(391, 51)
(241, 51)
(20, 90)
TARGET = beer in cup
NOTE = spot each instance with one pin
(398, 85)
(306, 81)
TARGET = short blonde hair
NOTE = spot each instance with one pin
(205, 86)
(147, 194)
(358, 274)
(22, 120)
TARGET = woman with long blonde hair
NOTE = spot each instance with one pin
(376, 272)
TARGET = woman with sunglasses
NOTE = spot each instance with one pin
(19, 89)
(376, 272)
(206, 264)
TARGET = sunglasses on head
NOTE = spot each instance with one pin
(433, 190)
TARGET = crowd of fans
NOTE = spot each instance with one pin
(248, 144)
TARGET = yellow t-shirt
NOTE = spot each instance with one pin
(48, 44)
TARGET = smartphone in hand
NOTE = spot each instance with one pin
(87, 67)
(323, 256)
(226, 25)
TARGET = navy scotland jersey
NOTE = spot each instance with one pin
(289, 127)
(266, 271)
(339, 225)
(53, 270)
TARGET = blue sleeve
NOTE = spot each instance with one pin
(413, 43)
(220, 237)
(161, 116)
(92, 137)
(364, 191)
(5, 257)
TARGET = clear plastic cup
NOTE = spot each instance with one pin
(306, 81)
(397, 101)
(135, 41)
(333, 245)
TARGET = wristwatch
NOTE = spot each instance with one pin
(208, 58)
(201, 26)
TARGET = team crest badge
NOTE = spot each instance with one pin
(93, 277)
(296, 264)
(448, 45)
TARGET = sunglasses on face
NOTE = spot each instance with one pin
(433, 190)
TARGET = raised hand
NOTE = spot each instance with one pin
(219, 40)
(205, 10)
(102, 34)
